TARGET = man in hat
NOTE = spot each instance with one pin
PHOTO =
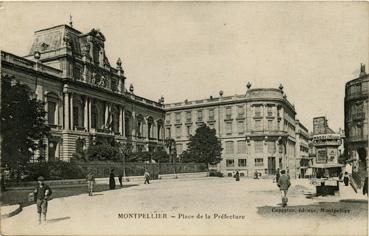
(284, 184)
(42, 194)
(147, 177)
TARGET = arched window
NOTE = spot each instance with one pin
(52, 108)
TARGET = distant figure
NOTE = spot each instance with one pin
(365, 187)
(42, 194)
(90, 182)
(120, 177)
(277, 175)
(112, 179)
(147, 177)
(346, 178)
(237, 176)
(284, 184)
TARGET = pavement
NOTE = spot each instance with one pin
(202, 206)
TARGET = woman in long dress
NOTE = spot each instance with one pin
(112, 180)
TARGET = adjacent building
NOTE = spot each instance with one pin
(257, 129)
(303, 161)
(86, 97)
(356, 125)
(326, 149)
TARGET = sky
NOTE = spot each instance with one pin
(192, 50)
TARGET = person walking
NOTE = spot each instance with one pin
(147, 177)
(112, 179)
(120, 179)
(346, 178)
(42, 194)
(277, 175)
(237, 176)
(284, 184)
(90, 182)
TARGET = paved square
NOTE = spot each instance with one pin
(212, 206)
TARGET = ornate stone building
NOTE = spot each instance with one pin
(85, 96)
(356, 125)
(326, 145)
(257, 129)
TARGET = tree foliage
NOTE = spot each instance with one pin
(203, 147)
(22, 124)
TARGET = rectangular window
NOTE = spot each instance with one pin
(168, 134)
(188, 116)
(229, 147)
(228, 112)
(241, 162)
(178, 131)
(188, 130)
(51, 108)
(167, 118)
(211, 114)
(178, 117)
(179, 148)
(259, 162)
(240, 127)
(229, 127)
(241, 146)
(258, 125)
(229, 163)
(75, 116)
(270, 125)
(240, 111)
(258, 146)
(258, 111)
(271, 147)
(199, 115)
(270, 111)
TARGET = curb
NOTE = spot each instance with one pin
(12, 213)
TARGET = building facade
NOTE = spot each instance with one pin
(257, 130)
(85, 97)
(356, 125)
(302, 150)
(327, 149)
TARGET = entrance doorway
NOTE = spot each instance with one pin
(362, 159)
(271, 165)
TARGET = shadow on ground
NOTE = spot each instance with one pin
(58, 219)
(342, 208)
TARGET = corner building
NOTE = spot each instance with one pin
(86, 98)
(257, 130)
(356, 125)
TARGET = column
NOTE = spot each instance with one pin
(106, 113)
(57, 112)
(71, 112)
(120, 120)
(66, 111)
(89, 113)
(85, 113)
(47, 110)
(133, 124)
(123, 123)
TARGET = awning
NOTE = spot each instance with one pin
(324, 166)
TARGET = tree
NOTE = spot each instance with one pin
(171, 144)
(204, 147)
(22, 125)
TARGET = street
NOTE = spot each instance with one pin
(212, 206)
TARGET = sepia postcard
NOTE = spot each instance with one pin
(184, 118)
